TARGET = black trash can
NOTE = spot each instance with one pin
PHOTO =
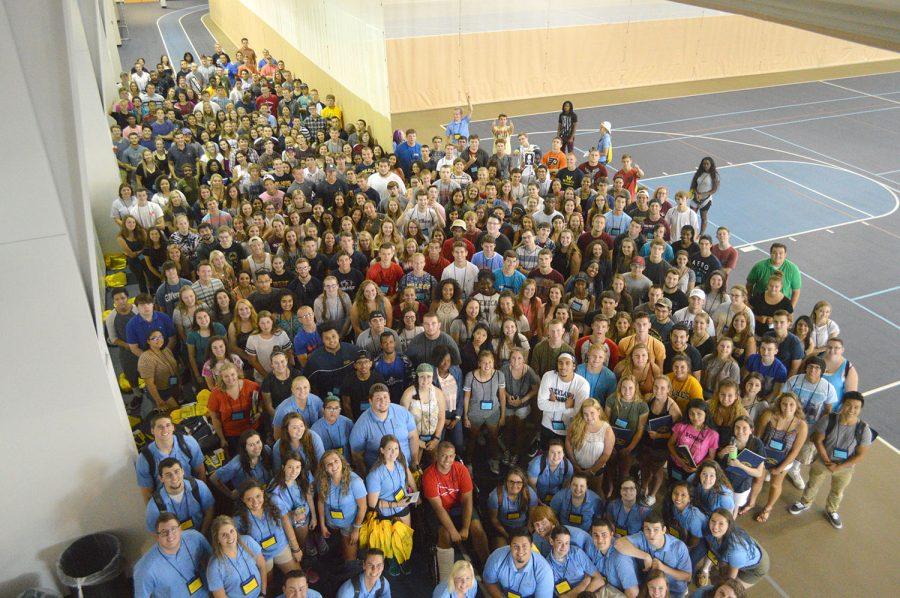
(93, 567)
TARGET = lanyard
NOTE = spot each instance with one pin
(508, 505)
(171, 564)
(184, 501)
(619, 510)
(298, 500)
(256, 524)
(381, 425)
(340, 437)
(553, 564)
(514, 573)
(242, 561)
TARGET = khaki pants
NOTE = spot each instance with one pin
(840, 479)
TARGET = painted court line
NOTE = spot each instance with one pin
(181, 24)
(846, 205)
(777, 587)
(871, 95)
(168, 16)
(875, 391)
(876, 293)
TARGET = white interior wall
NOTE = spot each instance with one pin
(69, 466)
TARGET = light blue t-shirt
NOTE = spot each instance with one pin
(580, 516)
(266, 531)
(390, 485)
(512, 283)
(318, 450)
(674, 553)
(310, 414)
(189, 461)
(231, 574)
(617, 569)
(186, 509)
(290, 498)
(335, 436)
(162, 576)
(573, 568)
(602, 384)
(739, 555)
(630, 521)
(369, 430)
(549, 482)
(534, 579)
(348, 591)
(232, 474)
(341, 508)
(509, 512)
(577, 537)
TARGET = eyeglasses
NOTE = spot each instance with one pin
(171, 531)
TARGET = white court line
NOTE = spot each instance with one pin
(181, 24)
(777, 587)
(163, 37)
(693, 95)
(858, 91)
(889, 445)
(887, 172)
(846, 205)
(875, 294)
(874, 391)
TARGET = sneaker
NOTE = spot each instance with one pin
(768, 477)
(495, 466)
(648, 501)
(507, 457)
(702, 579)
(534, 450)
(514, 460)
(393, 568)
(834, 519)
(795, 477)
(798, 507)
(311, 575)
(321, 544)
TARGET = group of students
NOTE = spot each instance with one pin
(528, 349)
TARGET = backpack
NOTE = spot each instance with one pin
(860, 428)
(357, 590)
(147, 454)
(195, 491)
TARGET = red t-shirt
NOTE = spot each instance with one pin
(235, 415)
(436, 268)
(629, 178)
(447, 249)
(581, 350)
(385, 278)
(727, 257)
(450, 487)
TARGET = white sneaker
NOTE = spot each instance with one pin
(795, 477)
(649, 501)
(768, 477)
(495, 466)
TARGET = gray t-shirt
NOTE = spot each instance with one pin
(486, 392)
(520, 387)
(842, 438)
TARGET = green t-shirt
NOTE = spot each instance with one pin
(762, 271)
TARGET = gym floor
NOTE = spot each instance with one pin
(814, 165)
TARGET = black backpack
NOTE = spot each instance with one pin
(147, 454)
(860, 428)
(195, 491)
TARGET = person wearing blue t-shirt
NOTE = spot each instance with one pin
(408, 152)
(189, 499)
(371, 582)
(543, 521)
(296, 585)
(685, 521)
(173, 568)
(334, 429)
(296, 437)
(710, 488)
(237, 567)
(618, 570)
(550, 472)
(341, 502)
(659, 550)
(773, 372)
(148, 320)
(737, 555)
(572, 570)
(259, 518)
(292, 495)
(516, 570)
(509, 506)
(508, 277)
(390, 482)
(301, 401)
(458, 127)
(461, 582)
(381, 419)
(253, 461)
(625, 512)
(166, 443)
(576, 505)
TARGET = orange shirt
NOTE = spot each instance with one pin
(553, 161)
(236, 415)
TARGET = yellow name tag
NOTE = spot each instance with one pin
(621, 531)
(513, 515)
(340, 450)
(400, 494)
(573, 518)
(249, 585)
(268, 542)
(337, 514)
(194, 585)
(674, 532)
(189, 524)
(563, 587)
(711, 556)
(511, 594)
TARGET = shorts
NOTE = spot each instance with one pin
(479, 417)
(279, 559)
(752, 575)
(456, 517)
(520, 412)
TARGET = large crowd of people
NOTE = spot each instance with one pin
(528, 356)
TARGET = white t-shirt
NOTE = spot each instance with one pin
(464, 276)
(551, 400)
(146, 215)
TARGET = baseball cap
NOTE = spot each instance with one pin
(362, 354)
(331, 398)
(580, 276)
(698, 293)
(425, 368)
(376, 314)
(460, 224)
(664, 302)
(637, 260)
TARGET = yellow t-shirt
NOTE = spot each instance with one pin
(683, 392)
(329, 112)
